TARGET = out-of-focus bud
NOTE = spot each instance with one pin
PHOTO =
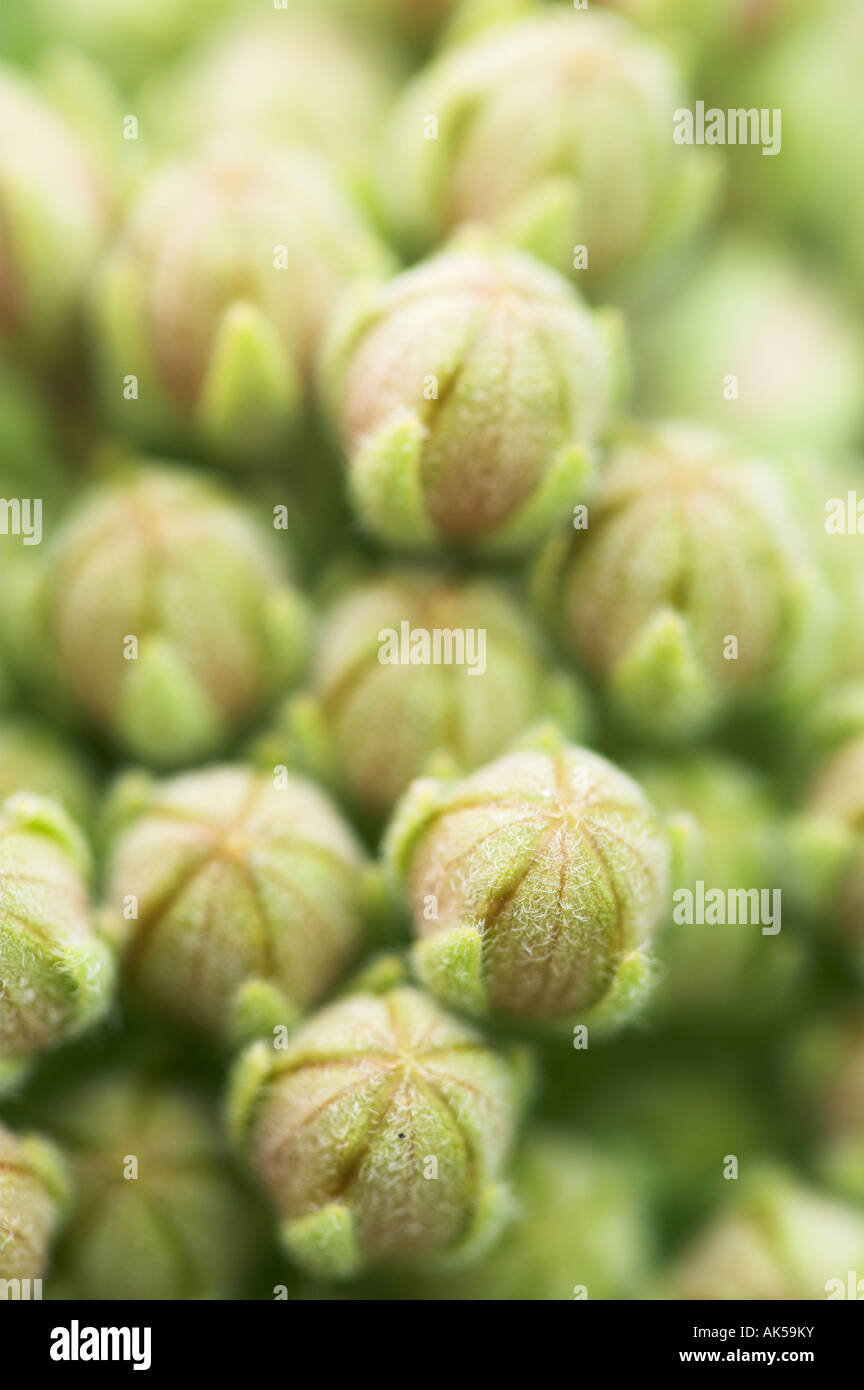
(535, 884)
(157, 1212)
(380, 1133)
(33, 1194)
(55, 217)
(732, 955)
(755, 342)
(691, 592)
(162, 615)
(56, 974)
(264, 77)
(778, 1240)
(240, 895)
(557, 130)
(209, 308)
(468, 393)
(413, 670)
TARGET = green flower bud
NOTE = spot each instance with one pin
(557, 130)
(580, 1231)
(209, 308)
(778, 1240)
(691, 592)
(729, 835)
(56, 975)
(379, 1132)
(54, 214)
(157, 1211)
(264, 77)
(468, 393)
(241, 895)
(36, 759)
(33, 1193)
(383, 719)
(789, 340)
(160, 612)
(821, 146)
(535, 885)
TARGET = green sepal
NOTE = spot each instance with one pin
(250, 1073)
(545, 221)
(257, 1009)
(251, 388)
(164, 716)
(659, 683)
(386, 486)
(635, 977)
(42, 815)
(450, 965)
(324, 1242)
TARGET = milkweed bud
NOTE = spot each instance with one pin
(468, 393)
(56, 974)
(535, 885)
(161, 613)
(413, 669)
(33, 1194)
(782, 363)
(213, 300)
(556, 130)
(264, 77)
(691, 592)
(157, 1212)
(778, 1240)
(248, 894)
(738, 963)
(380, 1133)
(55, 216)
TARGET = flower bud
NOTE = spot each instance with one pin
(209, 308)
(379, 1133)
(778, 1240)
(393, 703)
(783, 361)
(238, 893)
(54, 213)
(36, 759)
(263, 77)
(56, 975)
(556, 130)
(157, 1212)
(581, 1230)
(735, 964)
(161, 613)
(535, 885)
(468, 393)
(691, 591)
(33, 1193)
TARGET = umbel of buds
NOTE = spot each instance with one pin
(209, 308)
(468, 393)
(778, 1240)
(56, 974)
(691, 591)
(240, 895)
(535, 885)
(380, 1133)
(156, 1212)
(54, 218)
(161, 613)
(556, 130)
(33, 1194)
(413, 669)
